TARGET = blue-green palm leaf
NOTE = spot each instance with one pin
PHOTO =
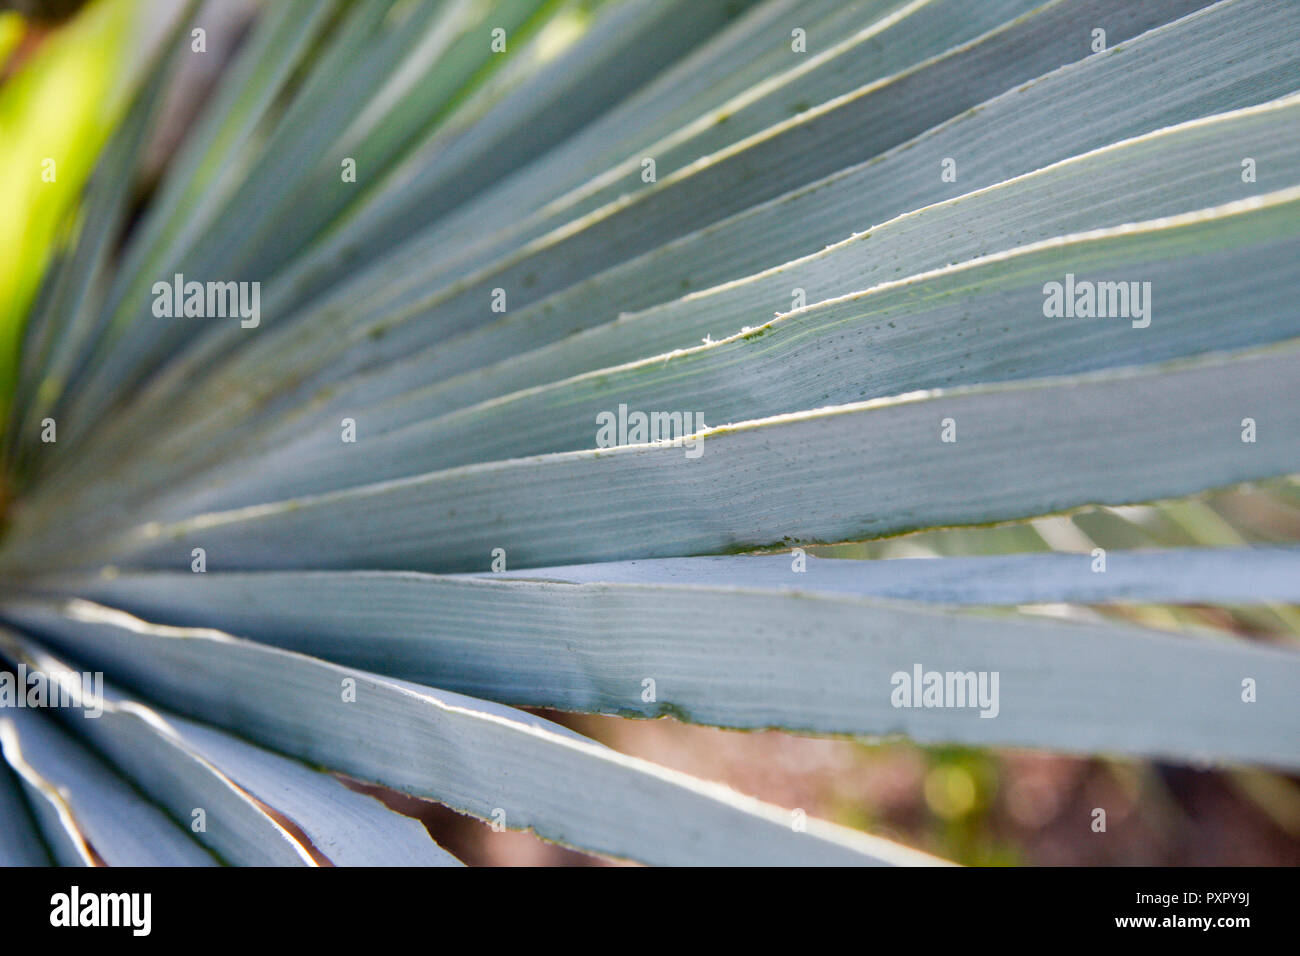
(825, 231)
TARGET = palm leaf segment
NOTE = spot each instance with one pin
(823, 232)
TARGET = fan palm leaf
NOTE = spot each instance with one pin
(353, 529)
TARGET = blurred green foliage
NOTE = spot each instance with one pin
(56, 111)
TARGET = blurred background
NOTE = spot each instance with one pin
(66, 69)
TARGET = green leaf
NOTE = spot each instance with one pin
(481, 758)
(1198, 64)
(747, 642)
(881, 468)
(59, 108)
(980, 321)
(19, 844)
(87, 813)
(240, 789)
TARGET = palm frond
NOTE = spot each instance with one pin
(353, 533)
